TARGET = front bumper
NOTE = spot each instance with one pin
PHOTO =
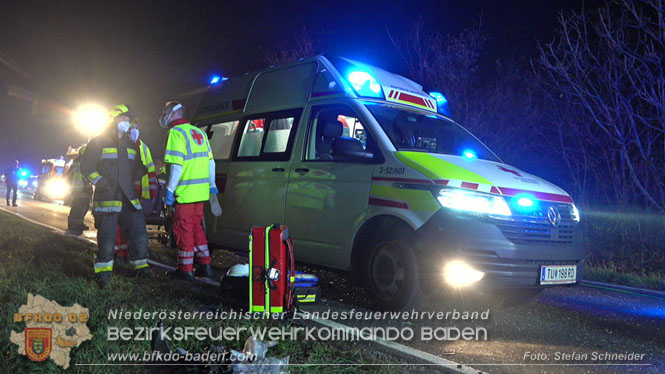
(482, 243)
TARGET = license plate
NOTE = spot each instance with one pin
(559, 274)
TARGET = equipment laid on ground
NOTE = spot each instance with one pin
(306, 289)
(272, 269)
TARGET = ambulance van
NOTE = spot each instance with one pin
(374, 178)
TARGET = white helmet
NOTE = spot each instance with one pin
(238, 270)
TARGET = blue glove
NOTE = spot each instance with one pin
(169, 200)
(214, 190)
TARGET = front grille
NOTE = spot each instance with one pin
(534, 227)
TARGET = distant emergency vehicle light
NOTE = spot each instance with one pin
(216, 79)
(364, 84)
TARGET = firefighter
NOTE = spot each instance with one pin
(81, 195)
(191, 181)
(112, 163)
(146, 188)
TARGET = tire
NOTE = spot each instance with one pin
(392, 275)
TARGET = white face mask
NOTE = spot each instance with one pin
(123, 127)
(134, 135)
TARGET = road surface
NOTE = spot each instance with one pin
(566, 330)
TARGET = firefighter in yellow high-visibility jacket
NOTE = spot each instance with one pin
(146, 188)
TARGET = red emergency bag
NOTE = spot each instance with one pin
(272, 269)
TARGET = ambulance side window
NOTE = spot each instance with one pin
(221, 141)
(252, 138)
(331, 123)
(269, 137)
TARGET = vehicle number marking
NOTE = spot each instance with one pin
(389, 170)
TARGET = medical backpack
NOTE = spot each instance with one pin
(272, 269)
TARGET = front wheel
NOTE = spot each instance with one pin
(392, 276)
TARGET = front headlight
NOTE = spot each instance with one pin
(473, 202)
(576, 214)
(57, 189)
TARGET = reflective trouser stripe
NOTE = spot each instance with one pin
(185, 261)
(107, 206)
(103, 266)
(136, 203)
(138, 264)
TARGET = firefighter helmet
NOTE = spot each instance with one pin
(121, 109)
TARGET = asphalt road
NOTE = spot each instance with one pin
(566, 330)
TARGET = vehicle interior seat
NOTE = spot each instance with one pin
(327, 130)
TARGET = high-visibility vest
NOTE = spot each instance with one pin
(148, 181)
(188, 146)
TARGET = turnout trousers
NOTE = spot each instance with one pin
(131, 222)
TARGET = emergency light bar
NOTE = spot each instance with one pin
(364, 84)
(441, 103)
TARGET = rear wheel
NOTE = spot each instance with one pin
(392, 276)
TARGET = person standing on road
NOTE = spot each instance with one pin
(111, 162)
(146, 188)
(81, 195)
(191, 181)
(11, 179)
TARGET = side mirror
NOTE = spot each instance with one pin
(350, 150)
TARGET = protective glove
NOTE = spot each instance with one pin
(169, 199)
(213, 190)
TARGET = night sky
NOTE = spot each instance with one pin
(55, 55)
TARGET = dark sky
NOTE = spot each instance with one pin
(55, 55)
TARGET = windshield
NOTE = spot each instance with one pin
(412, 131)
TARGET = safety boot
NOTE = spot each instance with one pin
(183, 275)
(103, 279)
(203, 271)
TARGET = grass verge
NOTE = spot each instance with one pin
(611, 275)
(38, 261)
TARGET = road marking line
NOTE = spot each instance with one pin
(448, 365)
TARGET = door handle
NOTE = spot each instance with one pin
(278, 169)
(302, 170)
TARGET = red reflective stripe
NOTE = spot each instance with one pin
(442, 182)
(388, 203)
(538, 195)
(471, 186)
(412, 99)
(495, 190)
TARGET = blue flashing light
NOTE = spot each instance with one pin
(217, 79)
(365, 84)
(24, 173)
(469, 153)
(525, 202)
(441, 103)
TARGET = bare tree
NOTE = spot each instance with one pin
(301, 48)
(609, 64)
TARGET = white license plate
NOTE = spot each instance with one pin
(558, 274)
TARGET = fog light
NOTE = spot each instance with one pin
(460, 274)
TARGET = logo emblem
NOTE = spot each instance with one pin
(510, 171)
(198, 138)
(38, 343)
(554, 216)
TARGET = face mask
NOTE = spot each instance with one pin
(165, 119)
(123, 127)
(134, 135)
